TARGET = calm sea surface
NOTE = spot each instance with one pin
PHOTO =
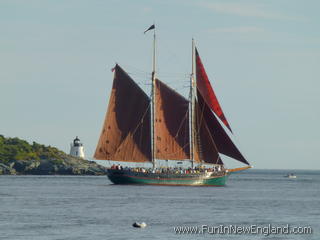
(86, 207)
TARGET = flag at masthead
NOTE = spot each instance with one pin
(150, 28)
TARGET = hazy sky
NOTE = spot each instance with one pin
(262, 58)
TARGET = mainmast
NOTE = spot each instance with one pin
(191, 106)
(153, 79)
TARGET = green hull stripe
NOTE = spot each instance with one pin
(126, 179)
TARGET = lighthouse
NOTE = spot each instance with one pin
(76, 149)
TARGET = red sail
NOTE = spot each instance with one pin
(171, 124)
(222, 141)
(205, 88)
(126, 130)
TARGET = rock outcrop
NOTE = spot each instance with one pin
(67, 166)
(17, 156)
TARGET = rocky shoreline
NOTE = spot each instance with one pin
(67, 166)
(18, 157)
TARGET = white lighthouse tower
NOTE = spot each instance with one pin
(76, 149)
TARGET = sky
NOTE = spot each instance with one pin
(262, 58)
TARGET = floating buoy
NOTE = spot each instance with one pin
(139, 225)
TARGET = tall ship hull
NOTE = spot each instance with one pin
(139, 178)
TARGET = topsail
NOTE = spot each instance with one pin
(205, 88)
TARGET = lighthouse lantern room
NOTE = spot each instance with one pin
(76, 149)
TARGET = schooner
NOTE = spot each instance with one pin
(167, 126)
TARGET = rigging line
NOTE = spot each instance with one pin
(201, 119)
(208, 131)
(132, 71)
(144, 74)
(175, 137)
(142, 83)
(139, 73)
(140, 136)
(174, 56)
(174, 89)
(134, 131)
(135, 68)
(168, 75)
(174, 75)
(139, 79)
(187, 136)
(199, 124)
(178, 89)
(235, 139)
(211, 138)
(185, 116)
(164, 79)
(139, 76)
(173, 81)
(141, 120)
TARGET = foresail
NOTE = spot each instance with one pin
(205, 88)
(126, 131)
(171, 124)
(222, 141)
(205, 150)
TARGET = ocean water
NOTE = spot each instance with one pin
(89, 207)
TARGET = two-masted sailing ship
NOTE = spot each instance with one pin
(166, 126)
